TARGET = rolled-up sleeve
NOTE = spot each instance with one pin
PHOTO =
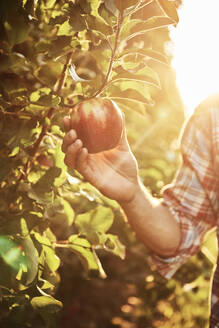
(192, 197)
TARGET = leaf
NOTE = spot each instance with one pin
(42, 190)
(46, 304)
(145, 75)
(50, 257)
(88, 256)
(14, 151)
(121, 5)
(45, 183)
(52, 260)
(32, 258)
(17, 28)
(110, 5)
(49, 73)
(107, 14)
(170, 9)
(82, 247)
(48, 100)
(132, 95)
(140, 87)
(137, 27)
(60, 212)
(112, 244)
(76, 19)
(99, 219)
(145, 53)
(11, 253)
(130, 104)
(65, 29)
(99, 24)
(90, 6)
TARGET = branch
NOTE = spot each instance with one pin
(118, 28)
(49, 115)
(62, 78)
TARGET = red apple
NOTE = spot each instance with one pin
(98, 123)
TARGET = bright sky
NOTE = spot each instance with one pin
(196, 50)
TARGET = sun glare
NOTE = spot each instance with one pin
(196, 50)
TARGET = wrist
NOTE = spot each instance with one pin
(130, 201)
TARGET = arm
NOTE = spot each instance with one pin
(115, 174)
(152, 222)
(174, 227)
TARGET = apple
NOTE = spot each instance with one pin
(98, 123)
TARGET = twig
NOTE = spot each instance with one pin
(119, 23)
(49, 115)
(64, 73)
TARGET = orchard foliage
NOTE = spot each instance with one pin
(54, 54)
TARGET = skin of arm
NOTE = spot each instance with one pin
(115, 174)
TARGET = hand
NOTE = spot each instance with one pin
(113, 172)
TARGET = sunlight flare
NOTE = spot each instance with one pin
(196, 51)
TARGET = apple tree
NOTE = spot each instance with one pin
(53, 55)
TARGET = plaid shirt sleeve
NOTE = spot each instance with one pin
(192, 197)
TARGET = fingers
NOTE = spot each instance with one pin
(68, 139)
(72, 153)
(67, 123)
(123, 143)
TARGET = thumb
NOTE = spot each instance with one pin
(123, 143)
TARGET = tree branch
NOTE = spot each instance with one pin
(118, 28)
(49, 115)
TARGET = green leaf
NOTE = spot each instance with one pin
(112, 244)
(60, 212)
(17, 28)
(99, 24)
(42, 190)
(87, 255)
(145, 75)
(83, 249)
(145, 53)
(110, 5)
(48, 100)
(132, 95)
(11, 253)
(45, 183)
(49, 73)
(14, 62)
(65, 29)
(32, 258)
(170, 9)
(130, 105)
(99, 219)
(140, 87)
(121, 5)
(47, 304)
(76, 19)
(106, 14)
(90, 6)
(52, 260)
(50, 257)
(133, 28)
(14, 151)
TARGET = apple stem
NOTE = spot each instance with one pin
(118, 28)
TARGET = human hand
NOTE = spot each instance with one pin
(113, 172)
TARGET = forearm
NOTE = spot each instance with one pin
(152, 222)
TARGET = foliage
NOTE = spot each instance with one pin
(55, 228)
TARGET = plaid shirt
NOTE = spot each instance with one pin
(193, 195)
